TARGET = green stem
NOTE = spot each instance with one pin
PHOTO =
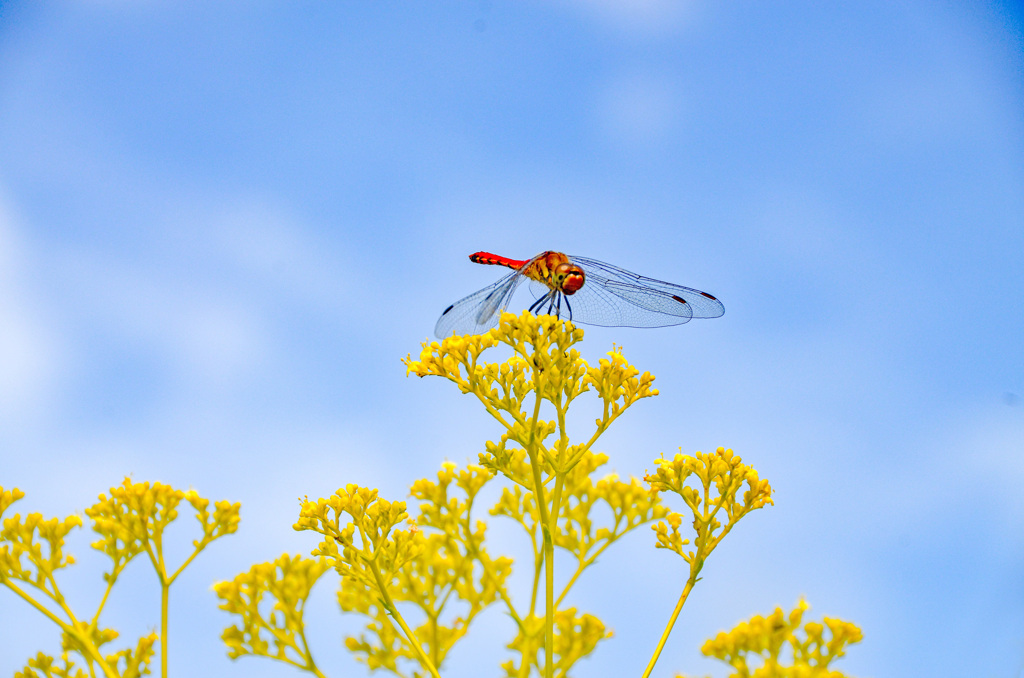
(474, 550)
(538, 563)
(549, 605)
(536, 461)
(607, 418)
(71, 629)
(64, 626)
(549, 554)
(434, 645)
(471, 546)
(584, 564)
(106, 594)
(549, 577)
(705, 545)
(393, 611)
(668, 628)
(165, 590)
(308, 655)
(188, 560)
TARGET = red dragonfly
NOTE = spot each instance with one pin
(580, 290)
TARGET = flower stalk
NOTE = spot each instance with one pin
(131, 521)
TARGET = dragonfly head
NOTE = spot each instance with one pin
(568, 278)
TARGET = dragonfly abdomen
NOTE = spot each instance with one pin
(496, 260)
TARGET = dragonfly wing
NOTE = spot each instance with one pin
(480, 311)
(654, 295)
(539, 289)
(610, 303)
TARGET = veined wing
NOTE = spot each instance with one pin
(648, 293)
(611, 303)
(480, 311)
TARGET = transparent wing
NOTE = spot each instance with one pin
(480, 311)
(647, 295)
(539, 289)
(611, 303)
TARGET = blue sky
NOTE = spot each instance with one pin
(223, 224)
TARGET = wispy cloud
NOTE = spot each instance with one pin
(643, 17)
(640, 109)
(29, 355)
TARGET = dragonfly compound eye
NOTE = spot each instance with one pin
(569, 278)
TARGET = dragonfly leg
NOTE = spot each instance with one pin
(537, 304)
(568, 307)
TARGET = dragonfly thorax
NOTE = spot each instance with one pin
(556, 271)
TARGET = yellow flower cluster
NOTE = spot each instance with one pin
(713, 493)
(133, 519)
(780, 648)
(33, 548)
(575, 636)
(545, 368)
(719, 478)
(554, 492)
(430, 560)
(435, 562)
(286, 581)
(130, 522)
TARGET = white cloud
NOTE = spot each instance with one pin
(205, 331)
(220, 340)
(27, 351)
(993, 455)
(639, 109)
(975, 462)
(201, 294)
(648, 17)
(270, 243)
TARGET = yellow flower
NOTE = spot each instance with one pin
(709, 485)
(713, 498)
(130, 522)
(777, 646)
(544, 368)
(287, 582)
(429, 561)
(554, 493)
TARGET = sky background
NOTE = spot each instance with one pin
(223, 224)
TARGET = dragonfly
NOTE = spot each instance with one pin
(580, 290)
